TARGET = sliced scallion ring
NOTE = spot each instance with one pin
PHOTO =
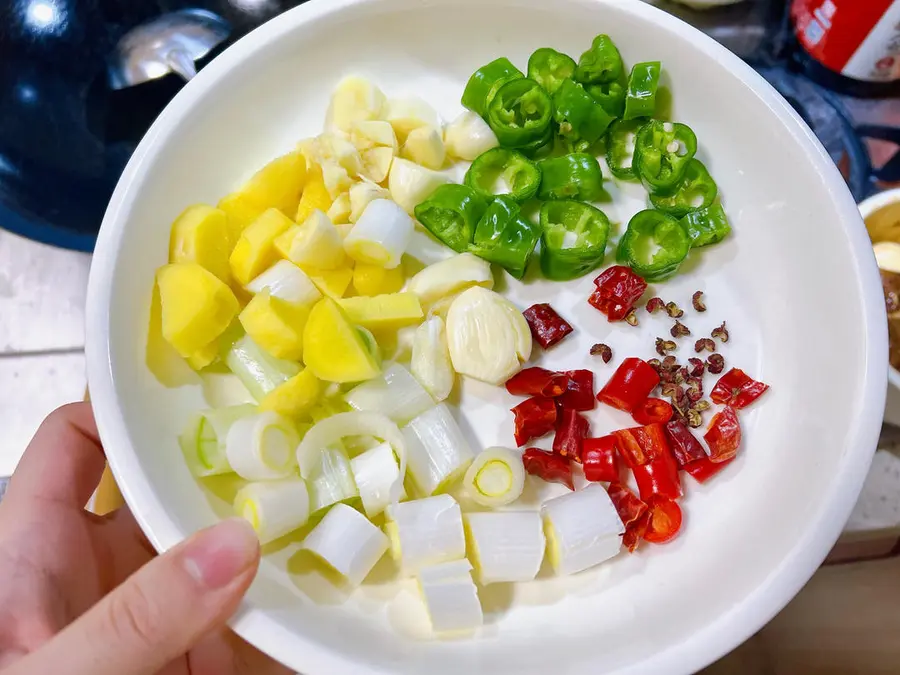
(496, 477)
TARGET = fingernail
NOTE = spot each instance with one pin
(216, 555)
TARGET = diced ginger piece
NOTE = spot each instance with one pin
(295, 397)
(317, 243)
(384, 312)
(354, 99)
(339, 211)
(361, 194)
(334, 349)
(240, 213)
(204, 356)
(315, 196)
(426, 147)
(377, 163)
(406, 114)
(372, 133)
(278, 184)
(376, 280)
(332, 283)
(201, 234)
(196, 306)
(255, 250)
(275, 325)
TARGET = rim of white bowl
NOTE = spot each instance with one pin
(708, 644)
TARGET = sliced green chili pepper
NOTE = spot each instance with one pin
(575, 176)
(620, 146)
(539, 147)
(573, 239)
(451, 214)
(611, 95)
(601, 63)
(549, 68)
(706, 226)
(662, 152)
(501, 171)
(485, 82)
(520, 113)
(640, 99)
(654, 245)
(697, 190)
(579, 116)
(505, 237)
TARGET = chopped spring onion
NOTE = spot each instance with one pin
(576, 542)
(361, 195)
(505, 545)
(286, 281)
(348, 542)
(451, 597)
(333, 482)
(430, 363)
(261, 446)
(258, 370)
(425, 532)
(437, 451)
(450, 276)
(395, 393)
(468, 136)
(380, 235)
(203, 441)
(375, 472)
(496, 477)
(274, 508)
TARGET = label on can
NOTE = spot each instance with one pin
(858, 39)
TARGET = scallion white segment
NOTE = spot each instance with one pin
(496, 477)
(437, 451)
(380, 235)
(396, 393)
(468, 136)
(361, 195)
(425, 532)
(451, 597)
(286, 281)
(347, 542)
(430, 363)
(333, 481)
(258, 371)
(261, 447)
(576, 541)
(203, 441)
(375, 472)
(450, 276)
(505, 545)
(274, 508)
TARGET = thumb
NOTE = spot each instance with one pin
(160, 612)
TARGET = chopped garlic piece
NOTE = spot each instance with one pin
(450, 276)
(411, 184)
(406, 114)
(355, 99)
(424, 146)
(468, 136)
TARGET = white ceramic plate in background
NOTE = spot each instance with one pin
(796, 282)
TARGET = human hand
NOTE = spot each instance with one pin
(85, 595)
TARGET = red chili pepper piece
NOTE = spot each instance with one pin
(546, 325)
(580, 392)
(537, 382)
(702, 470)
(632, 382)
(737, 389)
(618, 288)
(571, 431)
(723, 436)
(600, 459)
(635, 532)
(653, 411)
(549, 467)
(684, 444)
(632, 512)
(534, 417)
(658, 477)
(664, 521)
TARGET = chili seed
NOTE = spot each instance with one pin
(655, 304)
(663, 347)
(631, 318)
(697, 301)
(670, 363)
(696, 367)
(693, 419)
(603, 351)
(721, 332)
(679, 330)
(704, 344)
(701, 405)
(674, 311)
(715, 363)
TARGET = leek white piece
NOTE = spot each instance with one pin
(355, 99)
(450, 276)
(317, 243)
(425, 146)
(395, 393)
(437, 453)
(381, 234)
(425, 532)
(274, 507)
(333, 481)
(203, 440)
(468, 136)
(375, 472)
(336, 427)
(288, 282)
(363, 193)
(496, 477)
(430, 363)
(406, 114)
(348, 542)
(575, 542)
(339, 211)
(261, 447)
(411, 184)
(488, 337)
(505, 545)
(258, 371)
(373, 133)
(451, 597)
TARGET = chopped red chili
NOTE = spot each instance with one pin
(659, 477)
(534, 417)
(737, 389)
(537, 382)
(640, 445)
(702, 470)
(684, 444)
(652, 410)
(636, 531)
(580, 392)
(547, 327)
(632, 512)
(618, 288)
(549, 467)
(723, 436)
(664, 521)
(600, 459)
(632, 382)
(572, 429)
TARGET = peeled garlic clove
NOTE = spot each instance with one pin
(411, 184)
(451, 276)
(430, 363)
(424, 146)
(406, 114)
(336, 178)
(468, 136)
(342, 151)
(355, 99)
(373, 133)
(377, 163)
(887, 255)
(339, 211)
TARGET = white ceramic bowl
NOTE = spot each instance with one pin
(796, 282)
